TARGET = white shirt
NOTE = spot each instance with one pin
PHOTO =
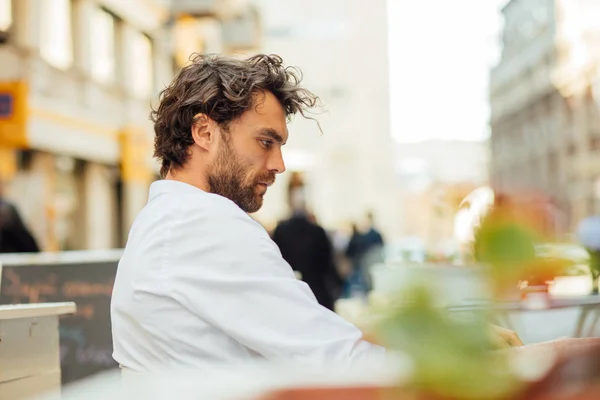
(201, 283)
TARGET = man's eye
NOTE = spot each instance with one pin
(266, 143)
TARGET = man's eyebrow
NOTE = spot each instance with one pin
(272, 133)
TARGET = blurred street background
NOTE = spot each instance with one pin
(423, 103)
(433, 111)
(406, 118)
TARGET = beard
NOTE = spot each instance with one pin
(230, 178)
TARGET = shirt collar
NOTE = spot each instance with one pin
(171, 186)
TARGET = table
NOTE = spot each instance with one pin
(589, 304)
(29, 349)
(83, 277)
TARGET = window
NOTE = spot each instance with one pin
(103, 56)
(5, 14)
(56, 42)
(141, 62)
(187, 40)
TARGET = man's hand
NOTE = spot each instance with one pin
(505, 337)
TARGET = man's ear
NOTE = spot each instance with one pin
(204, 131)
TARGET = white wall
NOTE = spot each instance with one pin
(341, 47)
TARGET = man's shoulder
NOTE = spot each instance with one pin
(209, 204)
(215, 209)
(192, 209)
(170, 194)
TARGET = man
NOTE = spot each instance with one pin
(201, 283)
(307, 248)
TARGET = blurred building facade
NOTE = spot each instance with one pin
(544, 108)
(434, 177)
(577, 78)
(347, 162)
(76, 84)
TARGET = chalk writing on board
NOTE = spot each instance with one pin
(32, 291)
(84, 289)
(74, 333)
(85, 310)
(85, 336)
(88, 355)
(97, 355)
(64, 351)
(35, 291)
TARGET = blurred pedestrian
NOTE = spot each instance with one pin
(365, 249)
(306, 247)
(374, 244)
(372, 237)
(355, 284)
(14, 235)
(340, 238)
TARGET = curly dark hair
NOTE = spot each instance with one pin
(223, 88)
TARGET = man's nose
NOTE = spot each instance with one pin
(276, 163)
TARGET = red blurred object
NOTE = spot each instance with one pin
(575, 375)
(342, 393)
(534, 209)
(349, 393)
(536, 297)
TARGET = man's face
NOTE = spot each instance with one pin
(249, 156)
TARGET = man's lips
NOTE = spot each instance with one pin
(266, 184)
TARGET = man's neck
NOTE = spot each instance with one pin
(185, 176)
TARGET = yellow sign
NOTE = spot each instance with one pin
(8, 164)
(187, 39)
(135, 147)
(13, 114)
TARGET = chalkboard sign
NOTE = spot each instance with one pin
(85, 337)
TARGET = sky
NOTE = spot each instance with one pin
(441, 52)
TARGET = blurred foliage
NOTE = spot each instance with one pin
(594, 266)
(457, 358)
(508, 241)
(453, 358)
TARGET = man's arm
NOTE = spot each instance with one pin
(245, 288)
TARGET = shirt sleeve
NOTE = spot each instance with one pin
(232, 275)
